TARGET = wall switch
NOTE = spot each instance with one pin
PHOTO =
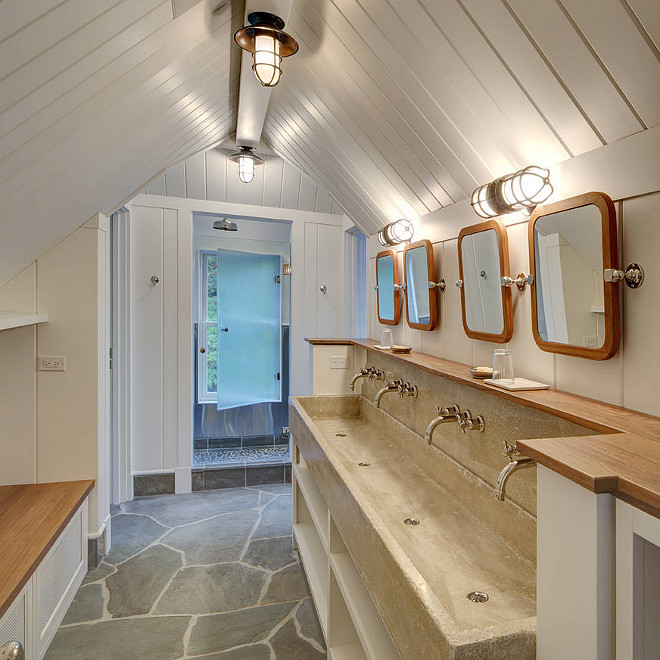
(590, 341)
(338, 362)
(51, 363)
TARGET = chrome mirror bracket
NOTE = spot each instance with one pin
(521, 281)
(441, 285)
(633, 275)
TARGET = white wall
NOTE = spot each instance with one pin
(54, 425)
(629, 171)
(159, 433)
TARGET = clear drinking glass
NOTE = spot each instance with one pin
(386, 338)
(503, 364)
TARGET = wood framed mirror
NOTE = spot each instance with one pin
(387, 287)
(483, 259)
(571, 244)
(419, 278)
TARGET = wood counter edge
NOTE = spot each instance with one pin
(4, 605)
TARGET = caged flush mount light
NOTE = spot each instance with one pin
(246, 160)
(399, 231)
(267, 42)
(520, 191)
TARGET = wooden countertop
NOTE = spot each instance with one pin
(623, 460)
(32, 516)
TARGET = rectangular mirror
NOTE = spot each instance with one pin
(387, 287)
(483, 258)
(571, 243)
(419, 277)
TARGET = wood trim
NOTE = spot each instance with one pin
(433, 297)
(611, 289)
(397, 292)
(32, 517)
(507, 307)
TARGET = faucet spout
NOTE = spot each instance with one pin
(363, 373)
(511, 467)
(451, 414)
(390, 386)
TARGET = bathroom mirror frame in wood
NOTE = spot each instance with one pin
(433, 296)
(396, 291)
(610, 289)
(507, 308)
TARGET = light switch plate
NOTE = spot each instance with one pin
(338, 362)
(51, 363)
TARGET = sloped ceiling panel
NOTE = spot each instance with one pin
(96, 97)
(401, 108)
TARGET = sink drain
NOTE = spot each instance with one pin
(477, 597)
(340, 435)
(364, 464)
(411, 521)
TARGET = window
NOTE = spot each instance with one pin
(207, 362)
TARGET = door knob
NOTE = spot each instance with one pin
(323, 289)
(155, 279)
(202, 350)
(224, 329)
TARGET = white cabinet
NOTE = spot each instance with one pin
(352, 626)
(38, 610)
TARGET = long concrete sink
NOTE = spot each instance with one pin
(419, 575)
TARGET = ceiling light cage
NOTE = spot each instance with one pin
(399, 231)
(268, 43)
(522, 190)
(247, 160)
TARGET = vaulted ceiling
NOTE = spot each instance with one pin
(395, 108)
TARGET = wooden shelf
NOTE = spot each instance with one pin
(315, 562)
(368, 622)
(10, 320)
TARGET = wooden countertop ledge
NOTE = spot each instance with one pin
(623, 459)
(32, 516)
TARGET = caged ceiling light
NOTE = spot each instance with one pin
(268, 44)
(520, 191)
(399, 231)
(246, 161)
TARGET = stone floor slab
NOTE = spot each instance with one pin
(276, 519)
(146, 638)
(288, 584)
(176, 510)
(309, 622)
(271, 554)
(289, 646)
(206, 589)
(219, 632)
(87, 605)
(216, 540)
(99, 573)
(253, 652)
(138, 582)
(130, 535)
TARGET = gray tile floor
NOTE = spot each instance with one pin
(208, 575)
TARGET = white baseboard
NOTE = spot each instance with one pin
(183, 480)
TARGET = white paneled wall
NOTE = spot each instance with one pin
(632, 377)
(212, 176)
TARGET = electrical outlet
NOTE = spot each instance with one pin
(591, 341)
(338, 362)
(51, 363)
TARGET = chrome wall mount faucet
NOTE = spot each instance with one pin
(390, 386)
(463, 419)
(366, 372)
(516, 462)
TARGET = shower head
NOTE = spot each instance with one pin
(225, 225)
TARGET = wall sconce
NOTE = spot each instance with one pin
(246, 161)
(268, 44)
(399, 231)
(520, 191)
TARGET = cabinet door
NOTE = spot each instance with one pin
(14, 625)
(330, 280)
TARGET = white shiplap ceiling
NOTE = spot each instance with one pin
(395, 107)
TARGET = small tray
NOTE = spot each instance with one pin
(518, 384)
(393, 349)
(481, 374)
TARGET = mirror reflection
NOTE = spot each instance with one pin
(568, 249)
(421, 308)
(483, 295)
(387, 277)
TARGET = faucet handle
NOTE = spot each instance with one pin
(510, 450)
(376, 374)
(451, 410)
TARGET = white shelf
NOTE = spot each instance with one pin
(315, 563)
(314, 500)
(10, 320)
(347, 652)
(368, 623)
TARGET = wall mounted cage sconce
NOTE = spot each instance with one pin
(399, 231)
(268, 44)
(633, 275)
(246, 162)
(520, 191)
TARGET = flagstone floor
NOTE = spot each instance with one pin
(210, 575)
